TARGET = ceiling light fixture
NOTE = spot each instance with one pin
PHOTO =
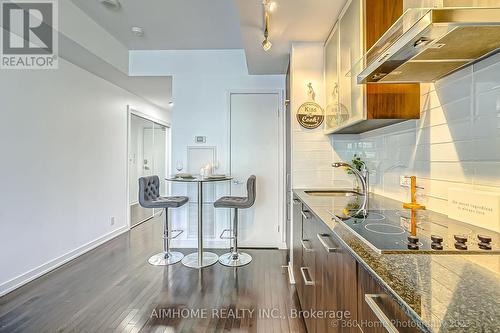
(269, 5)
(111, 4)
(268, 8)
(138, 31)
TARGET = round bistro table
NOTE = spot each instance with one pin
(200, 258)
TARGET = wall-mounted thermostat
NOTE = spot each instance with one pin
(200, 139)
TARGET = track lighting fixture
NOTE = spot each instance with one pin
(268, 8)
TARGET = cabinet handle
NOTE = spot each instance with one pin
(308, 249)
(305, 215)
(296, 201)
(327, 247)
(306, 281)
(386, 322)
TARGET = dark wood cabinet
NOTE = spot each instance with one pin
(377, 309)
(304, 261)
(325, 276)
(297, 247)
(308, 269)
(336, 293)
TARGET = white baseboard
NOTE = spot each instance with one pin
(29, 276)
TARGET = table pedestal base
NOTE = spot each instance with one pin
(191, 260)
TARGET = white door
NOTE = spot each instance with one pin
(255, 151)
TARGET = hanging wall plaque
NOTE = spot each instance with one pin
(310, 115)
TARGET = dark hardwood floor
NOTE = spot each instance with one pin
(114, 289)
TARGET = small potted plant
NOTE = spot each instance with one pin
(358, 163)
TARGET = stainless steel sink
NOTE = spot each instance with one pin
(332, 193)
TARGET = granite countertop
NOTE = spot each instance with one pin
(444, 293)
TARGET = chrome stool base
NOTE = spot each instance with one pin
(228, 260)
(191, 260)
(161, 259)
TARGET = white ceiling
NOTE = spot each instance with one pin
(292, 20)
(170, 24)
(156, 89)
(218, 24)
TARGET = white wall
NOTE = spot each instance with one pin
(456, 142)
(80, 28)
(201, 82)
(63, 138)
(312, 154)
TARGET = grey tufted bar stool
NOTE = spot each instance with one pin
(235, 258)
(149, 197)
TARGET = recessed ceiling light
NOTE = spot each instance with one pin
(111, 4)
(137, 31)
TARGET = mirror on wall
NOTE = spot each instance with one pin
(147, 157)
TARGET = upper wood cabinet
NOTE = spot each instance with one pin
(352, 107)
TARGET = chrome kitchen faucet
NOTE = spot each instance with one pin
(363, 176)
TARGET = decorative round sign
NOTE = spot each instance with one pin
(310, 115)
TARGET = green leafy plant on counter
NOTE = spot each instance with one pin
(358, 163)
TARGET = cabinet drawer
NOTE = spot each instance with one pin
(297, 247)
(336, 289)
(378, 310)
(309, 275)
(308, 224)
(308, 278)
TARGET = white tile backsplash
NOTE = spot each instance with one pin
(312, 153)
(456, 143)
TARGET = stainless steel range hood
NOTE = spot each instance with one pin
(425, 45)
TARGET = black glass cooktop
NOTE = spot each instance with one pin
(391, 231)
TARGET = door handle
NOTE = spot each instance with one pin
(307, 282)
(307, 248)
(327, 247)
(386, 322)
(306, 215)
(296, 201)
